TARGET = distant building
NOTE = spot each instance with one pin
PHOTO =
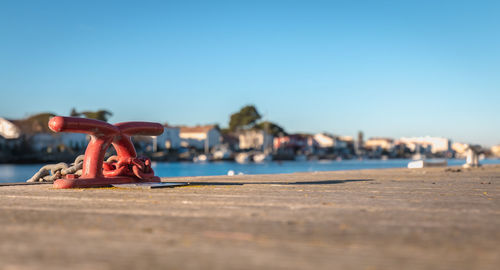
(231, 141)
(436, 144)
(35, 132)
(379, 143)
(200, 137)
(359, 144)
(344, 142)
(10, 134)
(169, 139)
(324, 140)
(292, 141)
(9, 130)
(460, 149)
(495, 150)
(42, 141)
(255, 139)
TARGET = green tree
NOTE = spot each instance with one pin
(102, 115)
(245, 118)
(38, 122)
(41, 117)
(271, 128)
(74, 113)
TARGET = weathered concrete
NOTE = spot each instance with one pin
(373, 219)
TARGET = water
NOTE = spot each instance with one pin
(20, 173)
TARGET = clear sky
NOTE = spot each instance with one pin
(388, 68)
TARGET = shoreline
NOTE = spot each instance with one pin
(364, 219)
(20, 173)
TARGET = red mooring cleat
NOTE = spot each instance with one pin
(124, 168)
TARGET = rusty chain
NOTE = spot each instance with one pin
(51, 172)
(114, 166)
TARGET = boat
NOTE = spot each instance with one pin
(242, 158)
(418, 164)
(262, 157)
(221, 153)
(201, 158)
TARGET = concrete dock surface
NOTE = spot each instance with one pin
(438, 218)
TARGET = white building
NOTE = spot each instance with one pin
(324, 140)
(255, 139)
(9, 134)
(460, 149)
(9, 130)
(42, 141)
(495, 150)
(436, 144)
(169, 139)
(40, 137)
(377, 142)
(200, 137)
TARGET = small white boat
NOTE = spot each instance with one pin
(242, 158)
(201, 158)
(221, 153)
(418, 164)
(262, 157)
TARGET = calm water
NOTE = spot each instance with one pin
(20, 173)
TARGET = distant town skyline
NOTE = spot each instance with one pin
(392, 69)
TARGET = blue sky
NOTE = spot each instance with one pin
(388, 68)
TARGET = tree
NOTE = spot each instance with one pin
(245, 118)
(74, 113)
(102, 115)
(41, 117)
(38, 122)
(270, 128)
